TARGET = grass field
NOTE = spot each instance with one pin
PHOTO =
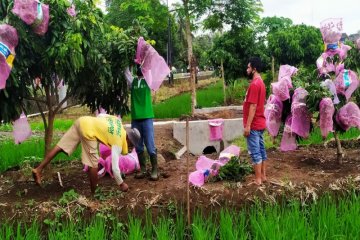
(329, 218)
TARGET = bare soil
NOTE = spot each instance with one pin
(302, 174)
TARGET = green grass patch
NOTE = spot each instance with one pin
(59, 125)
(30, 151)
(329, 218)
(211, 96)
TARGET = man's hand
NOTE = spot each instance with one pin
(124, 187)
(246, 131)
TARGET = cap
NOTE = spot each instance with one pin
(133, 135)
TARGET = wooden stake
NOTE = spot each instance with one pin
(187, 174)
(59, 177)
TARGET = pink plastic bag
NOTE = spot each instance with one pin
(300, 95)
(329, 84)
(273, 111)
(33, 13)
(281, 90)
(129, 163)
(326, 111)
(301, 119)
(348, 116)
(216, 129)
(346, 83)
(104, 151)
(8, 42)
(331, 30)
(153, 66)
(71, 10)
(22, 130)
(228, 153)
(198, 177)
(285, 74)
(288, 140)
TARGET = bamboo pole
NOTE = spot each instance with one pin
(187, 174)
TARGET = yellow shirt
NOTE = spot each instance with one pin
(107, 130)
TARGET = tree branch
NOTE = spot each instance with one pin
(35, 99)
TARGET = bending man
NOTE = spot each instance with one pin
(89, 131)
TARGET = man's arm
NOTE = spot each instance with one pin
(252, 110)
(115, 155)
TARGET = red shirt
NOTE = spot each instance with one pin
(256, 94)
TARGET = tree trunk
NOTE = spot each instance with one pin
(191, 58)
(223, 79)
(340, 153)
(273, 68)
(49, 132)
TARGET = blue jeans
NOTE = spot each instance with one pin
(146, 129)
(256, 146)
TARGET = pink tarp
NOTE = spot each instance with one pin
(33, 13)
(326, 111)
(153, 66)
(22, 130)
(8, 42)
(273, 111)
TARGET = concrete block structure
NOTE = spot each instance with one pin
(199, 134)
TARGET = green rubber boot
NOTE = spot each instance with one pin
(154, 168)
(142, 162)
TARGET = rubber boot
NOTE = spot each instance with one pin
(142, 162)
(154, 168)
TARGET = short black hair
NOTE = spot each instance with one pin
(255, 62)
(138, 70)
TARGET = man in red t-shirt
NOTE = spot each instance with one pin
(254, 119)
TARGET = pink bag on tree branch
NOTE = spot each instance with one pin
(71, 11)
(346, 83)
(153, 66)
(8, 42)
(33, 13)
(22, 130)
(326, 111)
(300, 123)
(281, 90)
(273, 111)
(329, 84)
(331, 30)
(348, 116)
(288, 140)
(285, 74)
(358, 43)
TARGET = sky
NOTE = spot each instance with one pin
(312, 12)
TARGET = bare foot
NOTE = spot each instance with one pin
(263, 179)
(255, 183)
(36, 176)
